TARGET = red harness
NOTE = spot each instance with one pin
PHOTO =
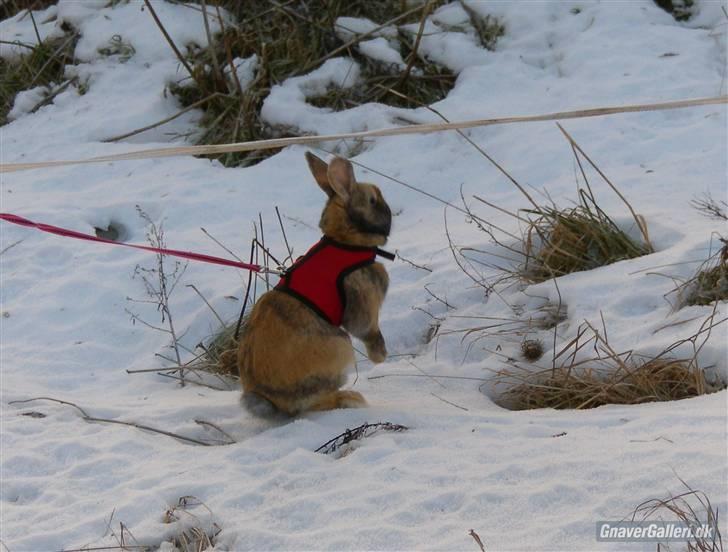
(317, 278)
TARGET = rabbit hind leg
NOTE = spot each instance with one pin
(338, 399)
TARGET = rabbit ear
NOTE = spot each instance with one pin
(319, 170)
(341, 178)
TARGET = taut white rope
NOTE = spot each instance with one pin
(409, 129)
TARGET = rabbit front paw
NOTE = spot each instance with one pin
(376, 348)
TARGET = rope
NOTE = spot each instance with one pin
(15, 219)
(396, 131)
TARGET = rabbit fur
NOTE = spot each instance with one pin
(289, 358)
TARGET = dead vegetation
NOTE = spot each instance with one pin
(196, 530)
(192, 528)
(557, 241)
(709, 283)
(287, 39)
(274, 41)
(42, 64)
(577, 380)
(562, 241)
(212, 363)
(10, 8)
(342, 444)
(690, 508)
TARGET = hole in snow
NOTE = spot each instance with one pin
(115, 231)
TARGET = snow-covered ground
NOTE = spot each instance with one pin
(530, 480)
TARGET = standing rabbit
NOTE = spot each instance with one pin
(295, 347)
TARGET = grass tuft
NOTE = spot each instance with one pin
(42, 64)
(608, 377)
(589, 387)
(692, 509)
(220, 354)
(710, 282)
(563, 241)
(196, 529)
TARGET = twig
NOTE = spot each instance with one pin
(436, 298)
(165, 120)
(210, 424)
(197, 291)
(247, 294)
(193, 382)
(229, 54)
(18, 43)
(171, 43)
(476, 146)
(9, 247)
(364, 430)
(450, 403)
(115, 548)
(640, 221)
(358, 39)
(211, 42)
(266, 253)
(476, 537)
(85, 416)
(50, 97)
(413, 54)
(425, 376)
(218, 242)
(285, 238)
(415, 265)
(425, 373)
(478, 281)
(35, 26)
(660, 438)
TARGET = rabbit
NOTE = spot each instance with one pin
(292, 356)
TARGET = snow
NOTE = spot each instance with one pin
(348, 27)
(383, 48)
(245, 69)
(26, 100)
(380, 50)
(18, 32)
(535, 480)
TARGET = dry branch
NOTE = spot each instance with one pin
(85, 416)
(361, 432)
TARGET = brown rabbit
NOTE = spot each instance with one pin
(294, 351)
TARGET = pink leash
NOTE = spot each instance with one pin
(15, 219)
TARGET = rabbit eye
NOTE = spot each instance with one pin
(372, 200)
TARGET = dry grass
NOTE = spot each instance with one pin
(42, 64)
(290, 39)
(555, 241)
(690, 508)
(709, 284)
(220, 354)
(577, 382)
(197, 532)
(653, 380)
(10, 8)
(562, 241)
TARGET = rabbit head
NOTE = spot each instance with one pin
(355, 212)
